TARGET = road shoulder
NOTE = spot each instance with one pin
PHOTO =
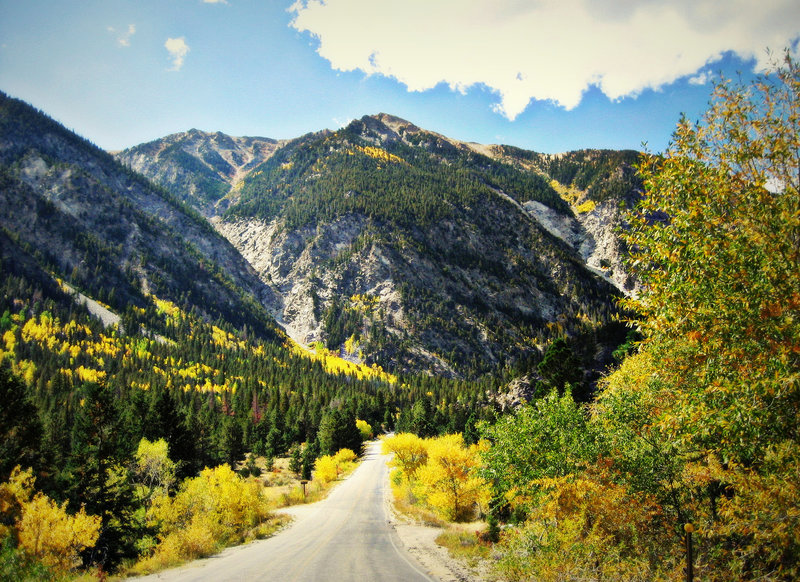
(420, 542)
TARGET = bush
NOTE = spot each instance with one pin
(214, 509)
(328, 468)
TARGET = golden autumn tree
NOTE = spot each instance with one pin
(154, 470)
(449, 480)
(44, 529)
(716, 245)
(409, 450)
(328, 467)
(208, 512)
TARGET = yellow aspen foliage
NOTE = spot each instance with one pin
(364, 428)
(344, 456)
(329, 467)
(218, 501)
(26, 369)
(449, 481)
(410, 453)
(333, 364)
(167, 307)
(90, 375)
(14, 493)
(154, 469)
(326, 469)
(43, 528)
(10, 339)
(49, 533)
(351, 345)
(380, 154)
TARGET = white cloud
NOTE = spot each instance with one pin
(178, 49)
(215, 1)
(543, 49)
(700, 78)
(123, 38)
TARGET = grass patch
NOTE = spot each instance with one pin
(466, 543)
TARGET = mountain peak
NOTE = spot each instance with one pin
(395, 123)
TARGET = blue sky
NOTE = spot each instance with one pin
(547, 75)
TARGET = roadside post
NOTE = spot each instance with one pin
(689, 528)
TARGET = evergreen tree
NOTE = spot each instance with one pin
(421, 422)
(338, 430)
(295, 460)
(560, 367)
(230, 448)
(98, 477)
(165, 421)
(20, 429)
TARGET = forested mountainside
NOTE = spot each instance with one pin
(135, 346)
(402, 247)
(111, 233)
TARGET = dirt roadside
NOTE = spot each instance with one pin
(420, 541)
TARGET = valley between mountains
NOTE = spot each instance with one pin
(581, 366)
(214, 301)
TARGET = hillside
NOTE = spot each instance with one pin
(124, 316)
(111, 233)
(400, 246)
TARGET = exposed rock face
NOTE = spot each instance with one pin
(602, 249)
(293, 264)
(593, 235)
(517, 393)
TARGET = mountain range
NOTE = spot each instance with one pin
(383, 241)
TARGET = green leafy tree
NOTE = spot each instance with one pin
(547, 439)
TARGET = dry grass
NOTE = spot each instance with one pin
(466, 542)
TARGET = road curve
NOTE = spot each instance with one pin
(345, 537)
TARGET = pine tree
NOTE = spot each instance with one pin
(20, 430)
(98, 477)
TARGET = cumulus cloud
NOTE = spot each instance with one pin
(544, 49)
(123, 38)
(177, 49)
(700, 78)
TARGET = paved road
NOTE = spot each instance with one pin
(345, 537)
